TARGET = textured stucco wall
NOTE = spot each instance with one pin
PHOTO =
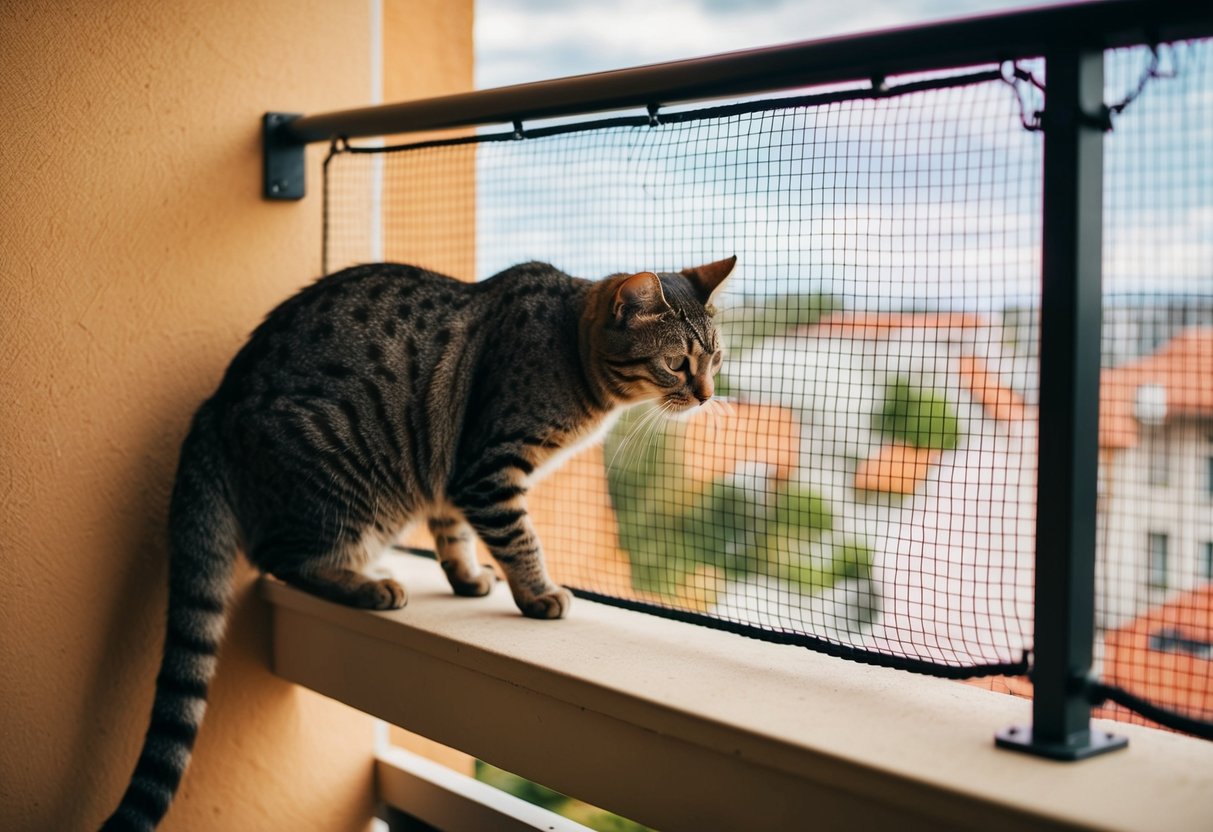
(135, 255)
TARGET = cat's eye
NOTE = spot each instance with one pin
(677, 364)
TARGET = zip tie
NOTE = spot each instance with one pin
(1152, 71)
(1012, 73)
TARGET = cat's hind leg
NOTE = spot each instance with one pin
(347, 586)
(456, 548)
(335, 575)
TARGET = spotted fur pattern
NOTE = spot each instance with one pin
(384, 394)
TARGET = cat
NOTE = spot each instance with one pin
(386, 393)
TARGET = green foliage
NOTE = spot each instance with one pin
(724, 387)
(671, 530)
(797, 507)
(924, 419)
(519, 787)
(852, 559)
(814, 572)
(718, 527)
(585, 814)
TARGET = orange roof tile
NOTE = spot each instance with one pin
(1183, 367)
(883, 324)
(895, 469)
(1000, 402)
(1171, 678)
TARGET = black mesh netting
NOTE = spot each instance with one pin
(1154, 579)
(865, 482)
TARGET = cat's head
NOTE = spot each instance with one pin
(661, 341)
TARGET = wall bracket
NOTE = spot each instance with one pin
(282, 158)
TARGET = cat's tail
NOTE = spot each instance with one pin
(203, 539)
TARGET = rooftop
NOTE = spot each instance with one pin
(1182, 368)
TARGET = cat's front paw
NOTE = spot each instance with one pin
(478, 585)
(384, 594)
(552, 605)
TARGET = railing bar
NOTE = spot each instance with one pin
(934, 46)
(686, 116)
(1068, 449)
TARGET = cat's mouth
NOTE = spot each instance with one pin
(681, 407)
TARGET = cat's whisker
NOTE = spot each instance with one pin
(629, 438)
(621, 442)
(645, 432)
(652, 427)
(712, 409)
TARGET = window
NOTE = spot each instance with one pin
(1157, 563)
(1159, 463)
(1172, 640)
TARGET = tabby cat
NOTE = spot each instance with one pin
(385, 393)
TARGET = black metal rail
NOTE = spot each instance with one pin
(869, 57)
(1071, 39)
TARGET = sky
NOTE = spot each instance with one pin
(532, 40)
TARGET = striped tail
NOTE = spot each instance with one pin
(203, 541)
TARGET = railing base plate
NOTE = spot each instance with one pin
(1019, 738)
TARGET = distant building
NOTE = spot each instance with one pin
(1138, 325)
(1133, 325)
(1156, 483)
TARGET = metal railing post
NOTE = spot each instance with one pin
(1068, 449)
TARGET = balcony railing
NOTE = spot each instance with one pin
(947, 428)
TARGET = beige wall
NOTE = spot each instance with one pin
(135, 255)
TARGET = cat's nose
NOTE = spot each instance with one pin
(703, 398)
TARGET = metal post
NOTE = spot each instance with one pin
(1069, 413)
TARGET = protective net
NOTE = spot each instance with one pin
(865, 482)
(1154, 580)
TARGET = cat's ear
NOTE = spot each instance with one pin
(639, 295)
(709, 280)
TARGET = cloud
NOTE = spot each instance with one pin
(531, 40)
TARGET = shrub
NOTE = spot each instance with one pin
(922, 418)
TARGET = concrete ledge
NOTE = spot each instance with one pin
(681, 727)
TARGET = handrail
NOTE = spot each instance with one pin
(932, 46)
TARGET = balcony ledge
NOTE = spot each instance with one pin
(682, 727)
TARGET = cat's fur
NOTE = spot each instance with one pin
(386, 393)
